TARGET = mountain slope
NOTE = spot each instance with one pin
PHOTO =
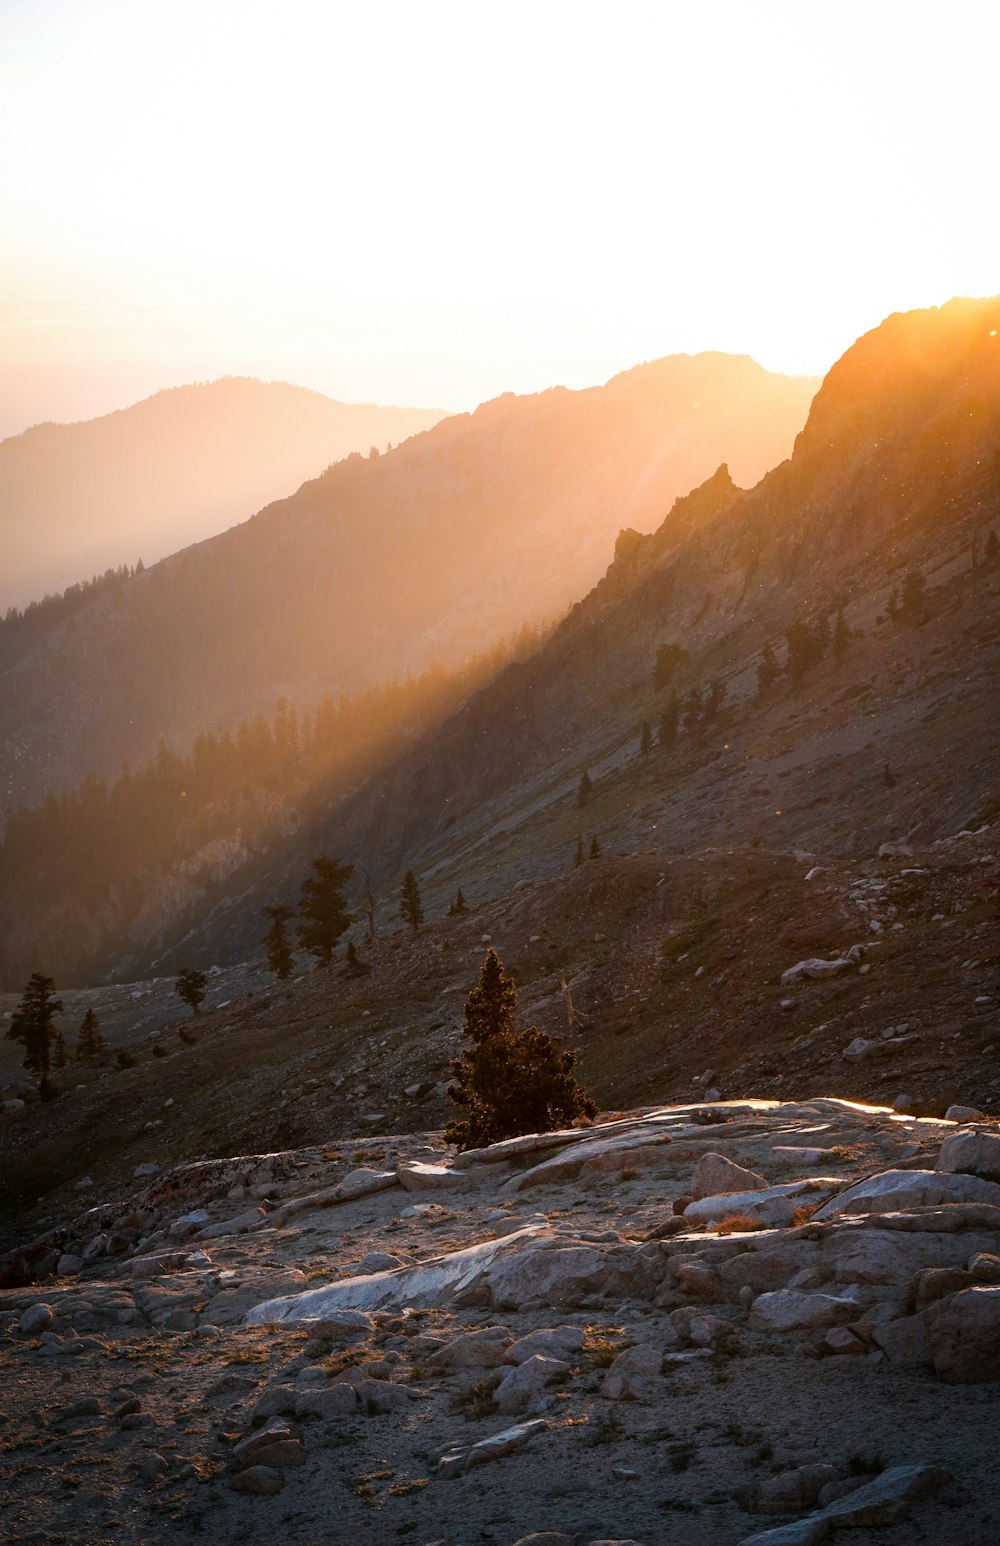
(896, 471)
(76, 499)
(381, 566)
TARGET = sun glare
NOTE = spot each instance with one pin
(435, 204)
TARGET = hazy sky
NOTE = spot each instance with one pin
(430, 203)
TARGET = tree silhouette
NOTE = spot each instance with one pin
(31, 1023)
(595, 849)
(90, 1043)
(509, 1081)
(190, 986)
(278, 946)
(457, 907)
(584, 788)
(410, 906)
(321, 907)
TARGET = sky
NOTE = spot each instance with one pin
(432, 203)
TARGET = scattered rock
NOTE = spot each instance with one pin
(633, 1374)
(715, 1175)
(788, 1309)
(36, 1319)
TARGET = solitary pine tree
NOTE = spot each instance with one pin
(90, 1043)
(669, 720)
(190, 986)
(584, 788)
(457, 907)
(321, 907)
(59, 1054)
(31, 1023)
(411, 908)
(509, 1081)
(280, 957)
(595, 849)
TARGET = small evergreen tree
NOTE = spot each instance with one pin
(410, 906)
(59, 1056)
(190, 986)
(803, 651)
(595, 849)
(584, 788)
(321, 907)
(645, 739)
(668, 658)
(457, 907)
(509, 1081)
(355, 966)
(888, 777)
(90, 1043)
(31, 1023)
(669, 720)
(692, 709)
(841, 637)
(280, 957)
(768, 671)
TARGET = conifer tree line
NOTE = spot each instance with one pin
(59, 604)
(114, 839)
(33, 1025)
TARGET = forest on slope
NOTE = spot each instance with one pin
(382, 566)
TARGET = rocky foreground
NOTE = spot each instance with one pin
(747, 1322)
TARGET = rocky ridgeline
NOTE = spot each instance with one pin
(718, 1309)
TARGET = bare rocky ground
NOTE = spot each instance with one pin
(689, 1324)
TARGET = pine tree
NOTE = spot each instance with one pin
(669, 720)
(90, 1043)
(645, 739)
(584, 788)
(457, 907)
(321, 907)
(190, 986)
(888, 777)
(280, 957)
(509, 1081)
(841, 637)
(31, 1023)
(595, 849)
(59, 1055)
(803, 651)
(355, 966)
(411, 908)
(768, 671)
(692, 709)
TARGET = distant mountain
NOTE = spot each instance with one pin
(380, 567)
(77, 499)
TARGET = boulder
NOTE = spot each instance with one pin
(972, 1154)
(773, 1205)
(789, 1492)
(963, 1114)
(252, 1218)
(965, 1336)
(260, 1481)
(523, 1388)
(633, 1374)
(893, 1191)
(816, 968)
(36, 1319)
(788, 1309)
(416, 1176)
(554, 1342)
(904, 1341)
(715, 1175)
(483, 1349)
(461, 1457)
